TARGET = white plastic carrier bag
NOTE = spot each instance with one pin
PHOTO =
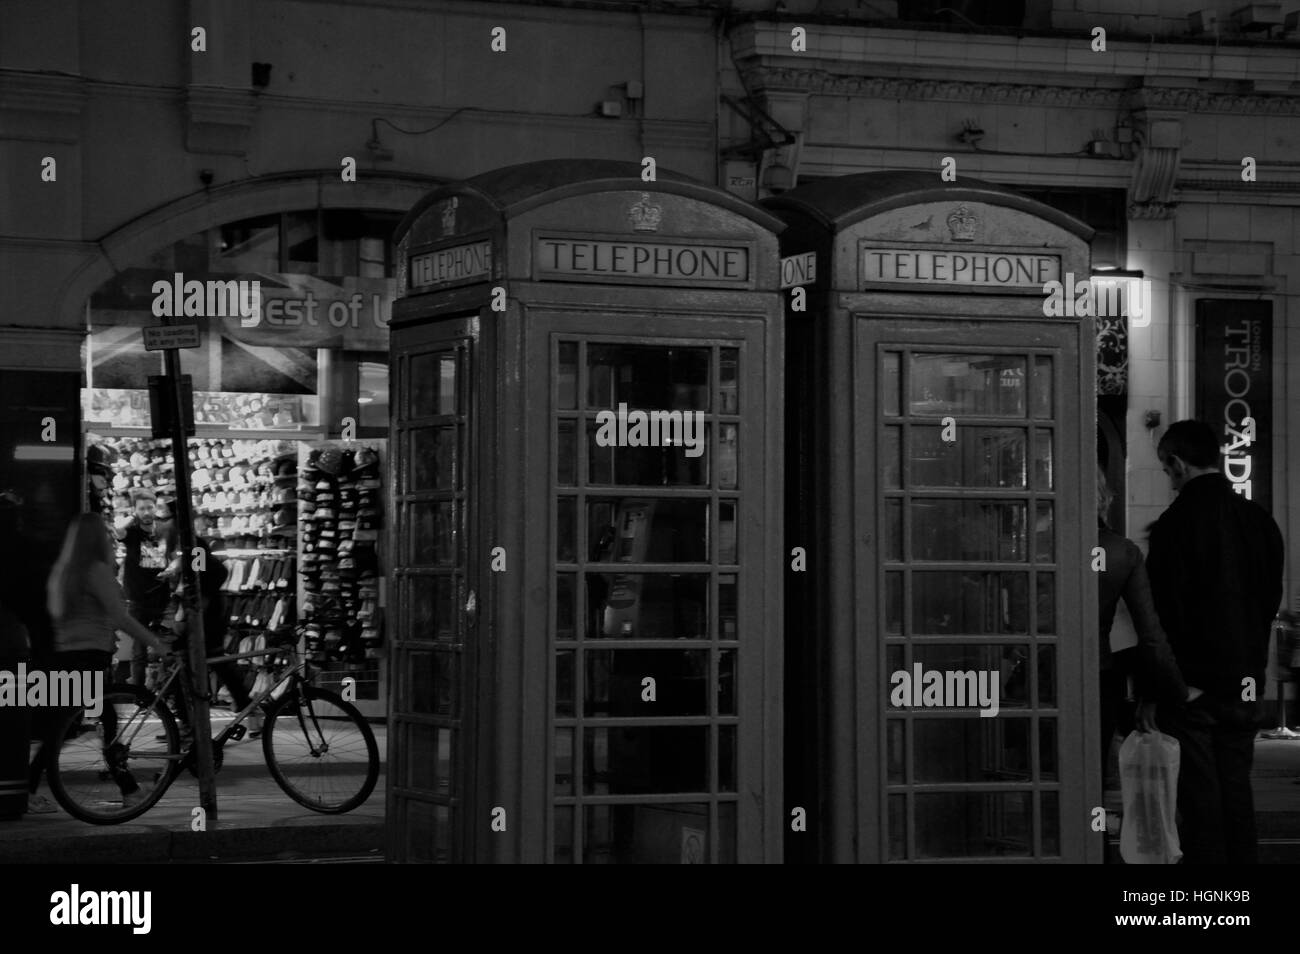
(1148, 772)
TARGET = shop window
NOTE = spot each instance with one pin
(372, 394)
(250, 245)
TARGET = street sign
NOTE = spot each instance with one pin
(168, 337)
(799, 270)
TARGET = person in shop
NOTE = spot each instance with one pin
(215, 621)
(148, 541)
(86, 607)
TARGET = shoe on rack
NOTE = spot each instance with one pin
(40, 805)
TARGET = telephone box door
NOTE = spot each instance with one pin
(970, 438)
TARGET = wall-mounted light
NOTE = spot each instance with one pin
(366, 397)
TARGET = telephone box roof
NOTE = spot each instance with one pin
(841, 202)
(513, 190)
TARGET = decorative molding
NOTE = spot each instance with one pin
(218, 120)
(1158, 138)
(40, 107)
(813, 80)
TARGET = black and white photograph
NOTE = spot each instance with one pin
(930, 369)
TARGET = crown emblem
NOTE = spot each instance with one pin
(962, 223)
(449, 216)
(645, 215)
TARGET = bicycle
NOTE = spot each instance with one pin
(95, 781)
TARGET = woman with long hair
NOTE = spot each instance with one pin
(86, 607)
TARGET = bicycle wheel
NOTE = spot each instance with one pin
(92, 767)
(320, 750)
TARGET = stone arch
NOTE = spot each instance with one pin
(249, 197)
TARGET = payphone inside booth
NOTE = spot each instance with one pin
(586, 447)
(945, 680)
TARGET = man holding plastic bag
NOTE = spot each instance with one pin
(1215, 564)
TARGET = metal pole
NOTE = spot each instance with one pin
(192, 600)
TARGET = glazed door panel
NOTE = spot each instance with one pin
(972, 620)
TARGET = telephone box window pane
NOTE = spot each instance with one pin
(890, 380)
(433, 607)
(1047, 677)
(1051, 802)
(564, 660)
(727, 682)
(728, 381)
(968, 530)
(646, 760)
(973, 824)
(971, 750)
(566, 397)
(1043, 463)
(433, 456)
(649, 530)
(897, 827)
(564, 834)
(1045, 534)
(727, 607)
(896, 750)
(1048, 769)
(430, 832)
(564, 761)
(433, 384)
(978, 457)
(893, 603)
(615, 682)
(1046, 603)
(647, 376)
(1042, 386)
(726, 833)
(726, 758)
(1007, 662)
(652, 466)
(647, 605)
(651, 834)
(429, 758)
(893, 658)
(727, 532)
(947, 602)
(433, 683)
(894, 530)
(566, 453)
(565, 603)
(433, 534)
(964, 384)
(891, 464)
(566, 530)
(728, 451)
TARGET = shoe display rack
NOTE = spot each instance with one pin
(340, 501)
(245, 507)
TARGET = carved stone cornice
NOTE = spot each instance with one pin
(813, 80)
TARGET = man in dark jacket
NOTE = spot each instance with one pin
(1215, 563)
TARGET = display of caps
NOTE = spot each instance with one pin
(366, 460)
(330, 461)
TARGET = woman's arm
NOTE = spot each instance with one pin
(1157, 676)
(109, 596)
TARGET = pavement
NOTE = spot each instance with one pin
(256, 822)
